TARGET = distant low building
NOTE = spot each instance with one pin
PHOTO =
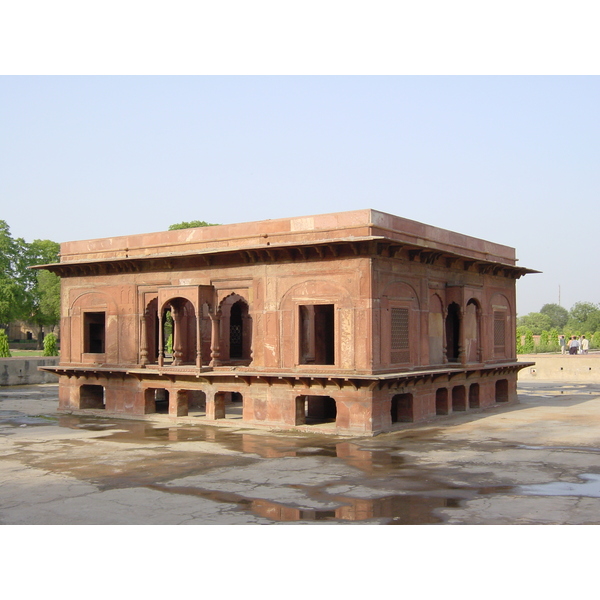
(353, 322)
(24, 332)
(20, 331)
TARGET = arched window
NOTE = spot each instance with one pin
(236, 331)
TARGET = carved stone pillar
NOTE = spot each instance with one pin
(444, 336)
(177, 337)
(161, 341)
(462, 355)
(479, 341)
(215, 343)
(143, 340)
(198, 341)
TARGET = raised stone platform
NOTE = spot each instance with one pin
(580, 368)
(24, 371)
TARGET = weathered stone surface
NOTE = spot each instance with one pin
(352, 322)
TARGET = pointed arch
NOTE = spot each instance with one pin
(236, 329)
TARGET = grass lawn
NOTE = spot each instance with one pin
(27, 353)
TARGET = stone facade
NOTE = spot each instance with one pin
(354, 322)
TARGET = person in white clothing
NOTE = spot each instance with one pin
(585, 345)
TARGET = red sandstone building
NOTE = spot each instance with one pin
(353, 322)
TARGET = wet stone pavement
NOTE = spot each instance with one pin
(537, 462)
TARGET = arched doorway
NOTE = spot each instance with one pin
(177, 333)
(236, 330)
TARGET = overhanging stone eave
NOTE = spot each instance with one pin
(204, 252)
(382, 241)
(207, 373)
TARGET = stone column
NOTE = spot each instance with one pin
(444, 335)
(215, 405)
(198, 341)
(178, 403)
(161, 341)
(462, 356)
(479, 336)
(177, 337)
(144, 340)
(215, 348)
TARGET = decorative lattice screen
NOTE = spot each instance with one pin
(499, 333)
(400, 345)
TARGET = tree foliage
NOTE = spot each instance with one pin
(558, 315)
(26, 294)
(9, 286)
(50, 345)
(528, 346)
(190, 225)
(4, 349)
(584, 317)
(536, 322)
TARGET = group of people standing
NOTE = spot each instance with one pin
(575, 345)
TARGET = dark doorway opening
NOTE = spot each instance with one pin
(94, 332)
(441, 401)
(91, 396)
(315, 410)
(161, 399)
(402, 408)
(453, 332)
(502, 390)
(474, 395)
(236, 332)
(459, 398)
(317, 334)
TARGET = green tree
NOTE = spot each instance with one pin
(553, 345)
(41, 297)
(48, 291)
(190, 225)
(50, 345)
(536, 322)
(9, 287)
(4, 349)
(543, 346)
(584, 317)
(168, 332)
(558, 315)
(528, 346)
(22, 296)
(595, 341)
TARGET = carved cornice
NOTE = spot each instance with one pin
(329, 250)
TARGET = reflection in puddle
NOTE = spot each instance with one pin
(590, 489)
(401, 510)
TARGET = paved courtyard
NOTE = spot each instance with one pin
(537, 462)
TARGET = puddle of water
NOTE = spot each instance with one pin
(589, 489)
(393, 510)
(14, 418)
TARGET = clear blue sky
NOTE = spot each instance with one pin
(511, 159)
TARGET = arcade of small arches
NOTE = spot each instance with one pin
(310, 409)
(176, 334)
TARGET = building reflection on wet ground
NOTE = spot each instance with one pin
(292, 477)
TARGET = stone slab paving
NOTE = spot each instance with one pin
(537, 462)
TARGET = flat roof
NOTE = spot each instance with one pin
(295, 231)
